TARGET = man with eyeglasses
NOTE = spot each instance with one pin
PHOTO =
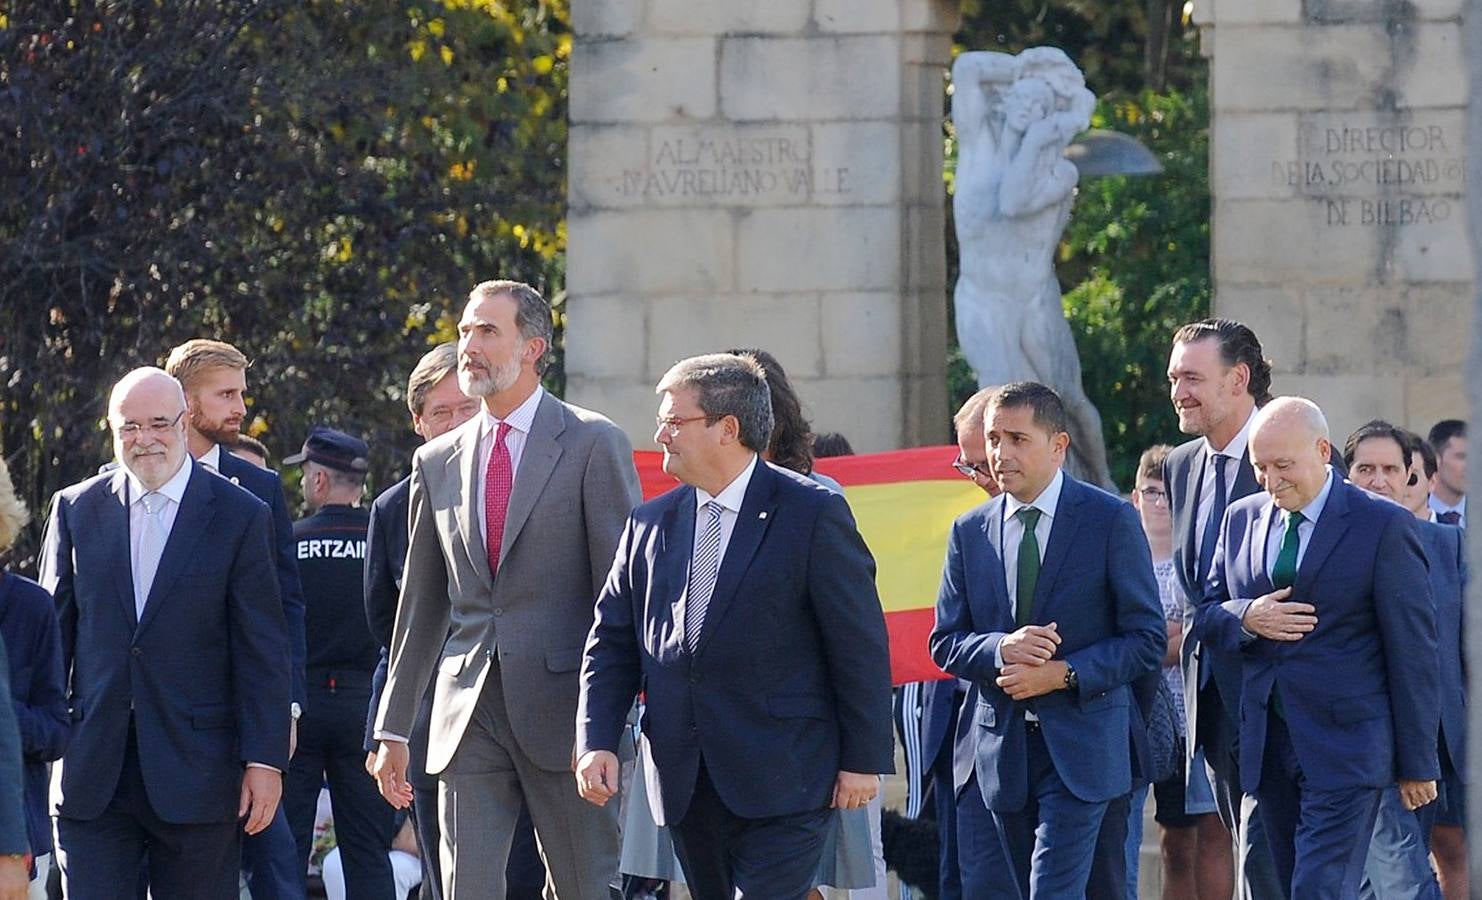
(177, 653)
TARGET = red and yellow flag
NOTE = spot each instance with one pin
(904, 502)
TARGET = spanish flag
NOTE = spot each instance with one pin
(904, 502)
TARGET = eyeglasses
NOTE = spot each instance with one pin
(971, 470)
(672, 425)
(158, 428)
(1155, 496)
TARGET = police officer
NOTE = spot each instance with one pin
(342, 657)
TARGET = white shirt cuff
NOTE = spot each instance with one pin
(253, 765)
(390, 736)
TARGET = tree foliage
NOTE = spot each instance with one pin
(317, 181)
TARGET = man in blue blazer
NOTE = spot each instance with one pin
(744, 605)
(213, 375)
(1380, 459)
(1048, 605)
(177, 655)
(1322, 588)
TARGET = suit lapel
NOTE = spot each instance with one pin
(1245, 478)
(192, 523)
(1263, 525)
(1193, 477)
(998, 577)
(674, 554)
(1326, 532)
(110, 521)
(537, 461)
(466, 458)
(751, 524)
(1062, 535)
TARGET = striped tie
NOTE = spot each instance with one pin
(703, 569)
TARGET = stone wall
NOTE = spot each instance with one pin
(1338, 178)
(763, 173)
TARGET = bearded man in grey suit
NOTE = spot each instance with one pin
(514, 521)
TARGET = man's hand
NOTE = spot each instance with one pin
(1271, 618)
(370, 763)
(390, 771)
(1023, 682)
(15, 877)
(1032, 645)
(597, 774)
(1415, 794)
(853, 790)
(261, 791)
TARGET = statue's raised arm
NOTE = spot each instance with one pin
(1046, 107)
(979, 77)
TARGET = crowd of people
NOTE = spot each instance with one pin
(515, 678)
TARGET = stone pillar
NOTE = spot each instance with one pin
(1472, 32)
(1338, 158)
(763, 173)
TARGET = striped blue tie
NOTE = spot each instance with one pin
(703, 569)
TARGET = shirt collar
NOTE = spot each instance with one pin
(1236, 448)
(1439, 505)
(173, 489)
(211, 459)
(731, 496)
(1314, 509)
(1046, 502)
(521, 419)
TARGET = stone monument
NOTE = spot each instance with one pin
(1338, 173)
(763, 173)
(1014, 116)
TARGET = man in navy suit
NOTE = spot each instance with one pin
(1322, 588)
(744, 604)
(177, 655)
(1048, 605)
(1380, 459)
(213, 375)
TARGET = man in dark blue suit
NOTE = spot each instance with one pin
(1048, 605)
(213, 375)
(177, 654)
(744, 605)
(15, 851)
(1380, 459)
(1322, 588)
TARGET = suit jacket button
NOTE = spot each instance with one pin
(498, 610)
(136, 651)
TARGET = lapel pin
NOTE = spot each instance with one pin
(761, 515)
(236, 482)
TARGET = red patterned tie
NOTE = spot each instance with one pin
(498, 480)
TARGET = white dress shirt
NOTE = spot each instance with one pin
(1235, 450)
(172, 490)
(520, 422)
(1439, 506)
(1310, 514)
(211, 459)
(1047, 503)
(729, 499)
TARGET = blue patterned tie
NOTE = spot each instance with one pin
(703, 569)
(1216, 515)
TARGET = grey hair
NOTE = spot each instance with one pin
(532, 315)
(970, 416)
(1299, 409)
(435, 365)
(137, 377)
(13, 512)
(727, 384)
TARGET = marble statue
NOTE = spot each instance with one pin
(1014, 116)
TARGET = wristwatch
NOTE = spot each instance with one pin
(1072, 682)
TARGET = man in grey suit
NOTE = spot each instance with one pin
(514, 521)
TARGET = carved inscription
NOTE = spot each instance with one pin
(730, 168)
(1376, 175)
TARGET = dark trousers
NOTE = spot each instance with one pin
(1051, 842)
(98, 857)
(1109, 876)
(1256, 877)
(983, 869)
(949, 878)
(271, 862)
(725, 856)
(329, 749)
(1319, 839)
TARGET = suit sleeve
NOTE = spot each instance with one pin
(13, 839)
(422, 614)
(1407, 627)
(259, 643)
(42, 714)
(610, 668)
(841, 588)
(1142, 635)
(956, 646)
(291, 590)
(380, 582)
(378, 687)
(609, 492)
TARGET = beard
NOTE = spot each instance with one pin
(224, 432)
(495, 380)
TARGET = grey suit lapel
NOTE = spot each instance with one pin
(1193, 489)
(465, 458)
(537, 461)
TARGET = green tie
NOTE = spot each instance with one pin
(1284, 573)
(1028, 564)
